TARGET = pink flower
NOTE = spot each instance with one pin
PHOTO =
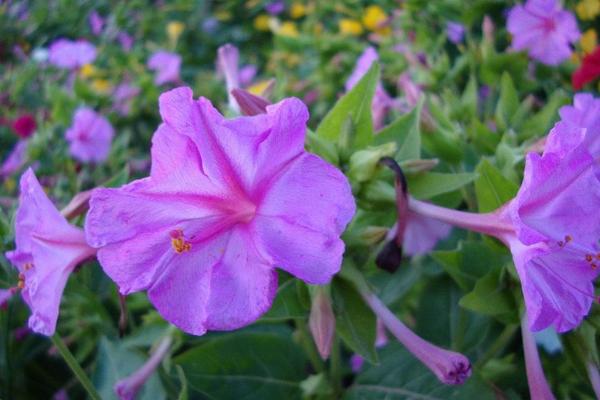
(226, 202)
(166, 65)
(544, 29)
(422, 234)
(228, 58)
(48, 250)
(584, 114)
(24, 126)
(89, 136)
(70, 54)
(15, 160)
(381, 100)
(96, 22)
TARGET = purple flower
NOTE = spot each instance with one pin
(125, 40)
(450, 367)
(226, 202)
(275, 7)
(381, 100)
(544, 29)
(15, 160)
(127, 389)
(122, 97)
(96, 23)
(48, 250)
(166, 65)
(247, 74)
(455, 32)
(70, 54)
(89, 136)
(422, 234)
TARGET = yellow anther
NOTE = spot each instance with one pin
(178, 242)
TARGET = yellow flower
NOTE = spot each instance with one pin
(588, 41)
(350, 27)
(87, 71)
(101, 85)
(261, 22)
(288, 28)
(588, 9)
(258, 89)
(373, 17)
(575, 58)
(222, 15)
(174, 30)
(298, 10)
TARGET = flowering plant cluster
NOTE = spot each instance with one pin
(299, 199)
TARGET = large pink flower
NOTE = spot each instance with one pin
(544, 29)
(70, 54)
(48, 250)
(225, 203)
(89, 136)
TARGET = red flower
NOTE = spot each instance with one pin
(588, 71)
(24, 126)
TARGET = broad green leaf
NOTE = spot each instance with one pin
(508, 102)
(469, 262)
(354, 320)
(322, 147)
(540, 123)
(400, 376)
(489, 297)
(246, 365)
(287, 304)
(492, 188)
(431, 184)
(405, 131)
(114, 362)
(356, 104)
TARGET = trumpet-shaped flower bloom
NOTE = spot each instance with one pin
(89, 136)
(70, 54)
(226, 202)
(48, 250)
(544, 29)
(166, 66)
(381, 100)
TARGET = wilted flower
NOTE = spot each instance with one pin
(381, 100)
(127, 389)
(226, 202)
(544, 29)
(70, 54)
(450, 367)
(455, 32)
(48, 250)
(250, 104)
(89, 136)
(24, 126)
(166, 65)
(588, 71)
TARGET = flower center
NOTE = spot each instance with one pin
(178, 241)
(549, 25)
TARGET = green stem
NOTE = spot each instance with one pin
(75, 367)
(336, 366)
(500, 342)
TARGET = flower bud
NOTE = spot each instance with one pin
(322, 322)
(249, 103)
(363, 163)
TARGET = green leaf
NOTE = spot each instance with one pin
(489, 297)
(406, 133)
(508, 102)
(322, 147)
(114, 362)
(492, 188)
(246, 365)
(287, 304)
(401, 376)
(470, 99)
(354, 320)
(117, 180)
(431, 184)
(356, 104)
